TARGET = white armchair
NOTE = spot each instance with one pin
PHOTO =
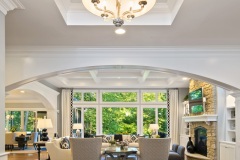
(154, 148)
(56, 153)
(86, 148)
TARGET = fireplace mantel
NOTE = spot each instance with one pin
(201, 118)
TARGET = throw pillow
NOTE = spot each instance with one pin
(133, 139)
(106, 139)
(65, 143)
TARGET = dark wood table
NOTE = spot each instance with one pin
(22, 141)
(39, 145)
(120, 153)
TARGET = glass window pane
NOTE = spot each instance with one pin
(29, 121)
(90, 97)
(77, 96)
(162, 119)
(13, 120)
(148, 118)
(119, 96)
(149, 97)
(77, 115)
(119, 120)
(89, 121)
(162, 97)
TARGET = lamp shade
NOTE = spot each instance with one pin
(44, 123)
(77, 126)
(153, 126)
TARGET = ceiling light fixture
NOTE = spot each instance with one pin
(119, 10)
(120, 31)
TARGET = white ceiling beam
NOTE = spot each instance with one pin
(145, 75)
(94, 73)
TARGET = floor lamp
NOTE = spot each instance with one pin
(78, 126)
(44, 124)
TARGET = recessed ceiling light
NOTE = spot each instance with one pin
(120, 31)
(184, 78)
(22, 91)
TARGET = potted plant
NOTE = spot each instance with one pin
(13, 129)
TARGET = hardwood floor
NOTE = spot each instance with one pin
(27, 156)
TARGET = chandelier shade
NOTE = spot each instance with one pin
(118, 10)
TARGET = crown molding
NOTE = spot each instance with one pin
(66, 51)
(8, 5)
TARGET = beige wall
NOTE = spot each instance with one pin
(2, 84)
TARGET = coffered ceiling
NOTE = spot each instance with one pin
(119, 78)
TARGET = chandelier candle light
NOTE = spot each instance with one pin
(119, 10)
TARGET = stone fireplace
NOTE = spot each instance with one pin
(203, 129)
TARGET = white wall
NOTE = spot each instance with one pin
(217, 63)
(2, 85)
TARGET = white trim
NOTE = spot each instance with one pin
(7, 5)
(164, 51)
(201, 118)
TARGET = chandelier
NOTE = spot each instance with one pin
(119, 10)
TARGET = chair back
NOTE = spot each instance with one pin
(86, 148)
(34, 137)
(10, 138)
(154, 148)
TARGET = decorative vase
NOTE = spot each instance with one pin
(190, 146)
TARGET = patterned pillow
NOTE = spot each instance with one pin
(106, 139)
(133, 139)
(65, 143)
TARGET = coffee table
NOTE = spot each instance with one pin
(120, 153)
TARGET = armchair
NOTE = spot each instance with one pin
(86, 148)
(154, 148)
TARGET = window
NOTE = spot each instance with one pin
(90, 121)
(154, 96)
(121, 120)
(155, 116)
(119, 96)
(29, 121)
(119, 111)
(84, 96)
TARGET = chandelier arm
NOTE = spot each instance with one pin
(134, 11)
(102, 10)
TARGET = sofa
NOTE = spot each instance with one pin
(57, 153)
(132, 140)
(177, 152)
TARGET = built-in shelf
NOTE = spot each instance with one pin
(231, 131)
(201, 118)
(231, 119)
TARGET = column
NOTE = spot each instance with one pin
(237, 113)
(3, 155)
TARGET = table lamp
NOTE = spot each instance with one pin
(77, 126)
(44, 124)
(154, 128)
